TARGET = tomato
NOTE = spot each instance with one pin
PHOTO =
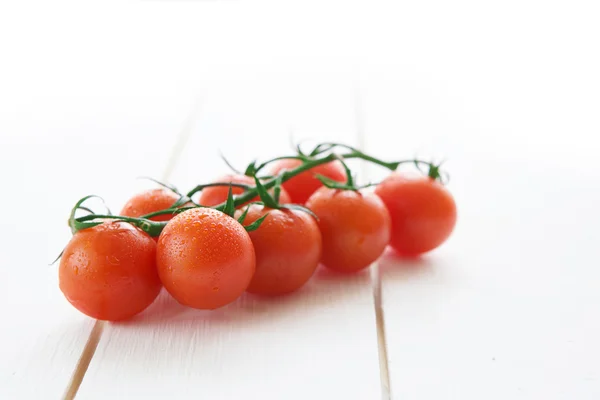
(303, 185)
(355, 227)
(211, 196)
(205, 258)
(109, 271)
(150, 201)
(288, 249)
(423, 212)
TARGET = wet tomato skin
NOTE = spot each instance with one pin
(288, 249)
(355, 227)
(148, 202)
(303, 185)
(108, 272)
(205, 259)
(214, 195)
(423, 212)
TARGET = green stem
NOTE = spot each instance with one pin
(229, 164)
(289, 174)
(327, 146)
(286, 175)
(264, 164)
(200, 187)
(349, 179)
(389, 165)
(153, 228)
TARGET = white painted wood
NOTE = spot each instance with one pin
(87, 104)
(72, 71)
(508, 308)
(53, 154)
(317, 343)
(514, 81)
(70, 124)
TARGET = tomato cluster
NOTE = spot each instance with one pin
(265, 235)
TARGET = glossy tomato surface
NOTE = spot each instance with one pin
(423, 212)
(109, 271)
(355, 227)
(205, 258)
(288, 249)
(150, 201)
(302, 186)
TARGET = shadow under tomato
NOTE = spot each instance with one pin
(331, 300)
(326, 288)
(330, 275)
(164, 307)
(396, 266)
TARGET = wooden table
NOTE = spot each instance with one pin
(508, 308)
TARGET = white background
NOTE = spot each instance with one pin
(94, 94)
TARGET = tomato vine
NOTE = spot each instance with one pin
(321, 154)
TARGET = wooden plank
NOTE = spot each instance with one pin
(507, 309)
(317, 343)
(54, 152)
(83, 109)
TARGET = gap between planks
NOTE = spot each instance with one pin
(386, 390)
(96, 334)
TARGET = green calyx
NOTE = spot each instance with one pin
(253, 226)
(273, 201)
(229, 209)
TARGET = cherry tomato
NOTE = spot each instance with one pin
(109, 271)
(150, 201)
(355, 227)
(423, 212)
(211, 196)
(205, 258)
(302, 186)
(288, 249)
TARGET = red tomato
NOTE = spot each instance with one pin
(355, 227)
(288, 249)
(109, 271)
(205, 258)
(150, 201)
(305, 184)
(423, 212)
(214, 195)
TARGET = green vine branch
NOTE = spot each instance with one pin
(322, 153)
